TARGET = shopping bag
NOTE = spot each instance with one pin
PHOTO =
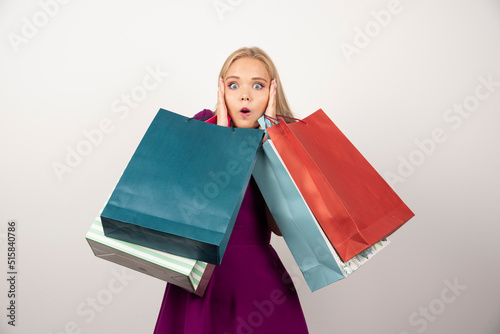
(189, 274)
(311, 249)
(354, 205)
(183, 187)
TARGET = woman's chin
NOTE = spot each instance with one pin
(245, 123)
(249, 121)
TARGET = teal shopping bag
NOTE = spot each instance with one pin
(317, 259)
(183, 187)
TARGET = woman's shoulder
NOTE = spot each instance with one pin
(205, 113)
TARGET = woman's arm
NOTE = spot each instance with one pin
(271, 222)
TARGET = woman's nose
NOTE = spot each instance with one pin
(245, 94)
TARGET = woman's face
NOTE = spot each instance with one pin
(246, 91)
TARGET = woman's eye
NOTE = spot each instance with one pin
(258, 86)
(233, 85)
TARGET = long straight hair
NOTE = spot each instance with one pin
(282, 107)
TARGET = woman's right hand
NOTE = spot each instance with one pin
(221, 105)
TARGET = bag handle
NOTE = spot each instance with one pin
(275, 120)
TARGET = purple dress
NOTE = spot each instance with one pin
(249, 293)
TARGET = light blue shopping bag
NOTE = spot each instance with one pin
(313, 253)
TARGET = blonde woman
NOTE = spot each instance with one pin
(250, 292)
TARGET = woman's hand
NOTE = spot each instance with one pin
(221, 105)
(271, 104)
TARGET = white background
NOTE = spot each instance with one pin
(63, 77)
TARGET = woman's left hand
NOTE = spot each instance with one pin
(271, 104)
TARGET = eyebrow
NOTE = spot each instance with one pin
(254, 78)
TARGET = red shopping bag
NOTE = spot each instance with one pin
(353, 204)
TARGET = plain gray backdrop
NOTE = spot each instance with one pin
(415, 85)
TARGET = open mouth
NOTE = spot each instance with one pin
(245, 112)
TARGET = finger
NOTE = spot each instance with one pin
(220, 93)
(220, 96)
(271, 105)
(221, 105)
(221, 85)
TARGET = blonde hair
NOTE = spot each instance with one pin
(282, 107)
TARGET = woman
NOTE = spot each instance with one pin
(250, 292)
